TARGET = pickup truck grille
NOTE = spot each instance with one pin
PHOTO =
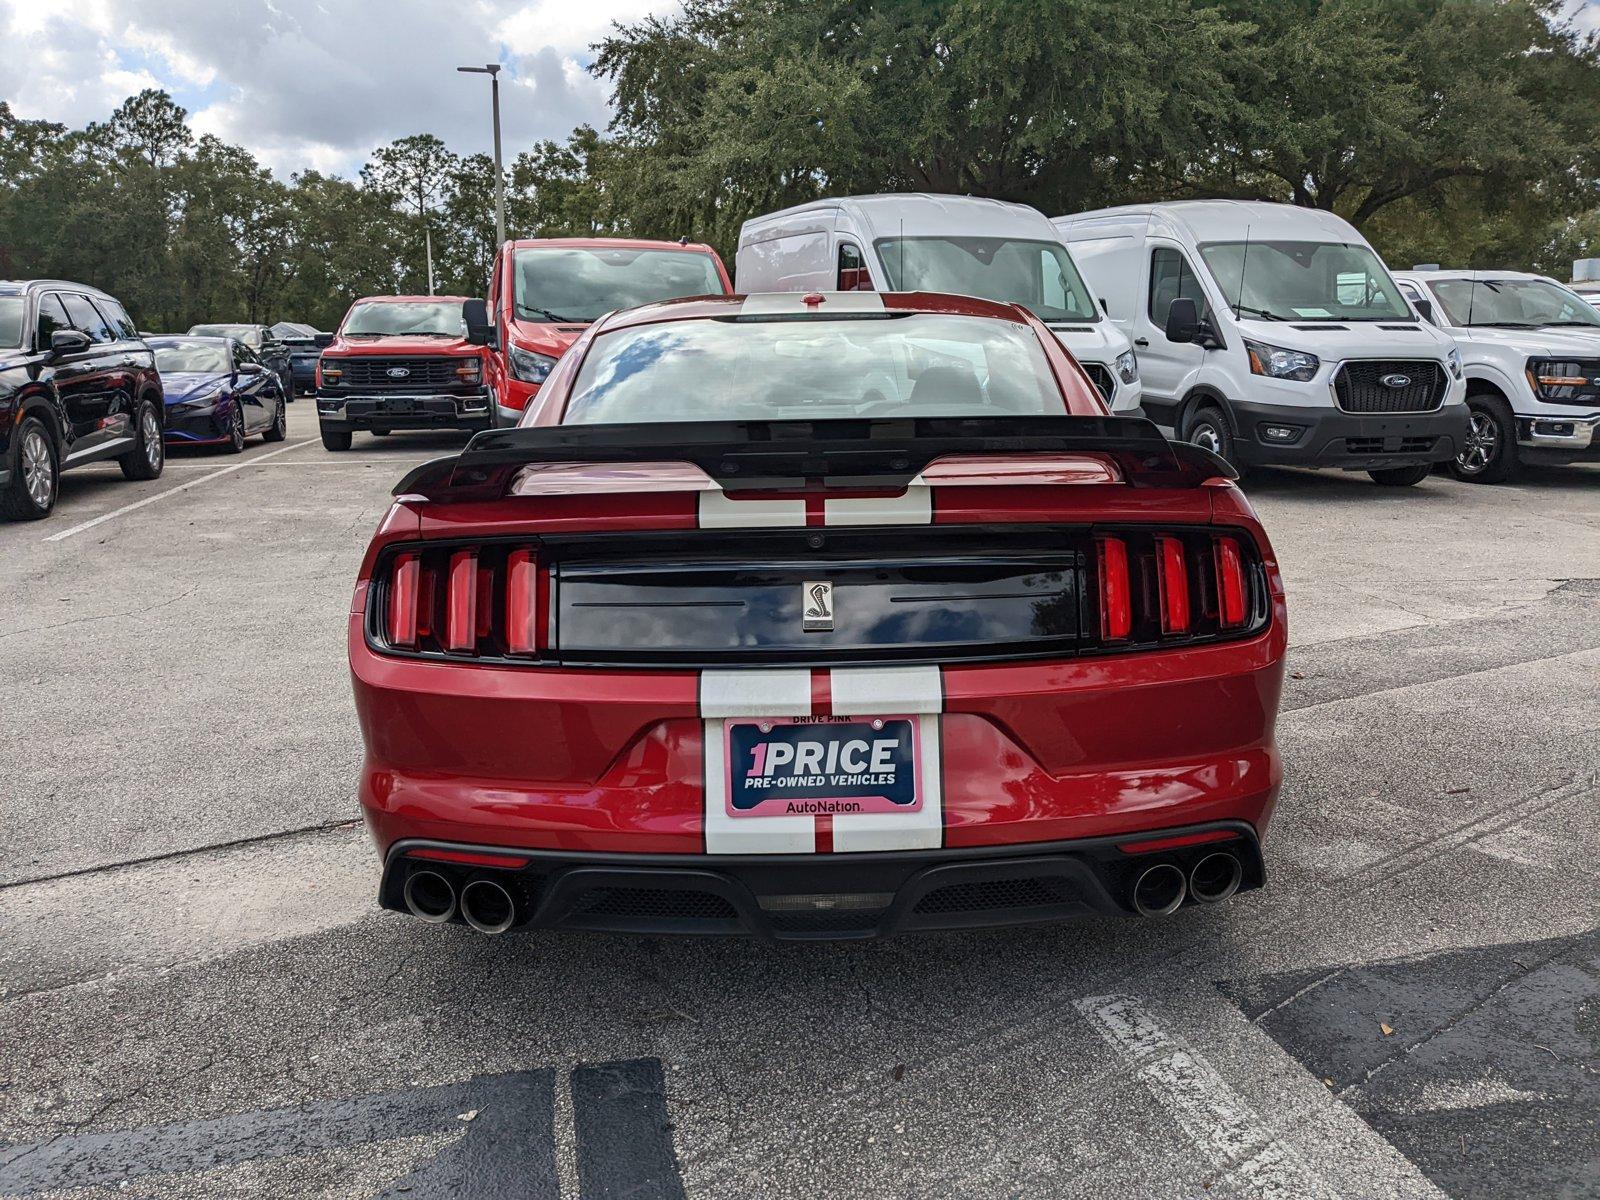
(1360, 388)
(377, 374)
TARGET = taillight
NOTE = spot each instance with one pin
(1116, 603)
(1172, 575)
(483, 601)
(1233, 607)
(461, 604)
(523, 617)
(405, 590)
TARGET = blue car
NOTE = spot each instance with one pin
(218, 393)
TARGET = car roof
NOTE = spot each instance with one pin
(581, 243)
(1228, 220)
(405, 299)
(20, 287)
(925, 214)
(790, 305)
(205, 339)
(1478, 276)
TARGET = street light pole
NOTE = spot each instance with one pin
(492, 70)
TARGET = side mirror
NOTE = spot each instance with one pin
(68, 341)
(251, 369)
(1183, 321)
(480, 330)
(1424, 310)
(323, 340)
(1104, 307)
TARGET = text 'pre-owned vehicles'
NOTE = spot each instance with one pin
(959, 244)
(1531, 348)
(218, 393)
(816, 615)
(1271, 333)
(401, 362)
(268, 348)
(77, 386)
(543, 293)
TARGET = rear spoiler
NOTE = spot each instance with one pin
(884, 452)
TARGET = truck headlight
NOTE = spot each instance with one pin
(1128, 367)
(1455, 362)
(1277, 363)
(528, 366)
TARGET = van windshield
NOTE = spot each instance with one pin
(1512, 303)
(1304, 281)
(10, 321)
(920, 365)
(1040, 276)
(572, 283)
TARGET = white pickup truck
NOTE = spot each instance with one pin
(1531, 350)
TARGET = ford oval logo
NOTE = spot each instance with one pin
(1396, 381)
(402, 372)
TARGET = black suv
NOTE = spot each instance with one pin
(77, 386)
(273, 352)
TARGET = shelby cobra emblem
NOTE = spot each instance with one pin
(1396, 381)
(398, 372)
(816, 606)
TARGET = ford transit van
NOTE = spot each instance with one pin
(1271, 333)
(959, 244)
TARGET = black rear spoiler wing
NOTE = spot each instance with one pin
(877, 452)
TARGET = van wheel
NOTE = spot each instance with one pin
(1207, 427)
(1401, 476)
(332, 440)
(149, 453)
(1490, 455)
(31, 494)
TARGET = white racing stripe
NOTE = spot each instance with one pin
(913, 507)
(749, 694)
(1226, 1131)
(885, 691)
(718, 512)
(765, 304)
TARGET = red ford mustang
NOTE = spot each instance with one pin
(817, 616)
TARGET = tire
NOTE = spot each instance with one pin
(36, 480)
(335, 441)
(1401, 476)
(1208, 427)
(279, 429)
(148, 457)
(235, 442)
(1490, 455)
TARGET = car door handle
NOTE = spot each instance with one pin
(1141, 341)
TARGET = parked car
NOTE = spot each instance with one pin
(262, 342)
(301, 341)
(1271, 333)
(827, 615)
(401, 362)
(77, 386)
(1531, 348)
(218, 393)
(926, 243)
(543, 292)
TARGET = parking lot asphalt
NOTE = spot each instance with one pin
(200, 997)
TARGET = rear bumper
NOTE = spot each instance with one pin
(1326, 436)
(819, 897)
(342, 413)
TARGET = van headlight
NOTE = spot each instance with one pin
(1128, 367)
(528, 366)
(1455, 362)
(1277, 363)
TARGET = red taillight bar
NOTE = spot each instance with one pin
(404, 589)
(524, 627)
(461, 606)
(1116, 603)
(1172, 577)
(1232, 607)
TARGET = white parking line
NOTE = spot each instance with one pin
(182, 487)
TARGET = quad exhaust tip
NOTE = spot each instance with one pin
(1159, 890)
(1215, 877)
(430, 896)
(488, 907)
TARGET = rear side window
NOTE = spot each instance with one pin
(52, 317)
(1171, 277)
(86, 318)
(117, 318)
(853, 273)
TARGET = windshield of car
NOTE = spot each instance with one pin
(11, 321)
(285, 330)
(391, 318)
(1512, 303)
(1039, 275)
(177, 358)
(921, 364)
(1304, 281)
(245, 333)
(569, 283)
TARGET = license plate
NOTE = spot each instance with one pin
(817, 766)
(400, 407)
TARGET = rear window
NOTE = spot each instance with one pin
(923, 364)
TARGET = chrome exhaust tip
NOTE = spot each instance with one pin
(1159, 890)
(1216, 877)
(430, 896)
(488, 907)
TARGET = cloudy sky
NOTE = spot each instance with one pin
(320, 83)
(316, 83)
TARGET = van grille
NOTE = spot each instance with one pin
(1359, 387)
(1100, 375)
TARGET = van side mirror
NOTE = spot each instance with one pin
(480, 331)
(323, 340)
(1104, 307)
(1183, 321)
(1425, 310)
(69, 341)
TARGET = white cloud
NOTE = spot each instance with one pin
(316, 83)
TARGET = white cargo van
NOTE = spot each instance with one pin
(925, 243)
(1271, 333)
(1531, 347)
